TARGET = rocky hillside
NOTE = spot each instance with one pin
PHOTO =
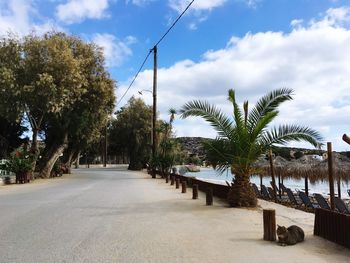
(192, 145)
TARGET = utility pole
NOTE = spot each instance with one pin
(154, 135)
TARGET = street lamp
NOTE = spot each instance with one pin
(140, 91)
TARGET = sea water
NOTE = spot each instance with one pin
(210, 174)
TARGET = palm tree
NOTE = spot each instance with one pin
(244, 138)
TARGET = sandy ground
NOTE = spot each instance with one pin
(112, 215)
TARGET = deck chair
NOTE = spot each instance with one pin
(274, 186)
(283, 188)
(265, 194)
(271, 193)
(256, 190)
(291, 197)
(341, 206)
(306, 200)
(322, 202)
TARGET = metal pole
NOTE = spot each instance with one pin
(330, 173)
(154, 135)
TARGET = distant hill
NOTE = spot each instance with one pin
(193, 146)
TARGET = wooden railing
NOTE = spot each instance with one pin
(219, 190)
(332, 226)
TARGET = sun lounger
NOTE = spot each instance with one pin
(322, 202)
(283, 188)
(341, 206)
(306, 200)
(271, 192)
(256, 190)
(265, 194)
(291, 197)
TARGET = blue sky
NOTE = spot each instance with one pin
(253, 46)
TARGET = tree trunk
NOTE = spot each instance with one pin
(69, 157)
(241, 193)
(51, 156)
(76, 158)
(34, 149)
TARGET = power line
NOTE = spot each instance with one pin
(183, 12)
(160, 40)
(138, 72)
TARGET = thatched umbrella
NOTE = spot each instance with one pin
(341, 169)
(260, 166)
(302, 168)
(264, 168)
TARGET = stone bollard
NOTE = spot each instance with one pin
(184, 187)
(269, 218)
(209, 196)
(195, 191)
(172, 180)
(177, 183)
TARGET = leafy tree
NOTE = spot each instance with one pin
(131, 132)
(244, 138)
(82, 122)
(168, 150)
(59, 83)
(10, 136)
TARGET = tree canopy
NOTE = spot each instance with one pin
(59, 84)
(243, 138)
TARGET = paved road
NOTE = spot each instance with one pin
(111, 215)
(78, 218)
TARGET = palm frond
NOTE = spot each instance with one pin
(219, 154)
(286, 133)
(268, 103)
(262, 124)
(222, 124)
(237, 113)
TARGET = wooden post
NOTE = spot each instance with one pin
(154, 110)
(172, 180)
(339, 186)
(154, 174)
(273, 175)
(177, 183)
(306, 185)
(269, 218)
(330, 174)
(184, 187)
(279, 186)
(209, 196)
(166, 178)
(195, 191)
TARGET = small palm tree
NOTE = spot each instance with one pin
(244, 138)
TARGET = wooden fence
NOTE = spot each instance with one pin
(219, 190)
(332, 226)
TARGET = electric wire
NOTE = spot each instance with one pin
(151, 50)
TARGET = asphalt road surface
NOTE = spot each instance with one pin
(113, 215)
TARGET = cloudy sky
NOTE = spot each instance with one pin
(252, 46)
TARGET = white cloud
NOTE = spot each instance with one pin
(75, 11)
(199, 5)
(17, 16)
(115, 50)
(139, 2)
(313, 60)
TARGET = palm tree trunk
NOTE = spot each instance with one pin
(241, 193)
